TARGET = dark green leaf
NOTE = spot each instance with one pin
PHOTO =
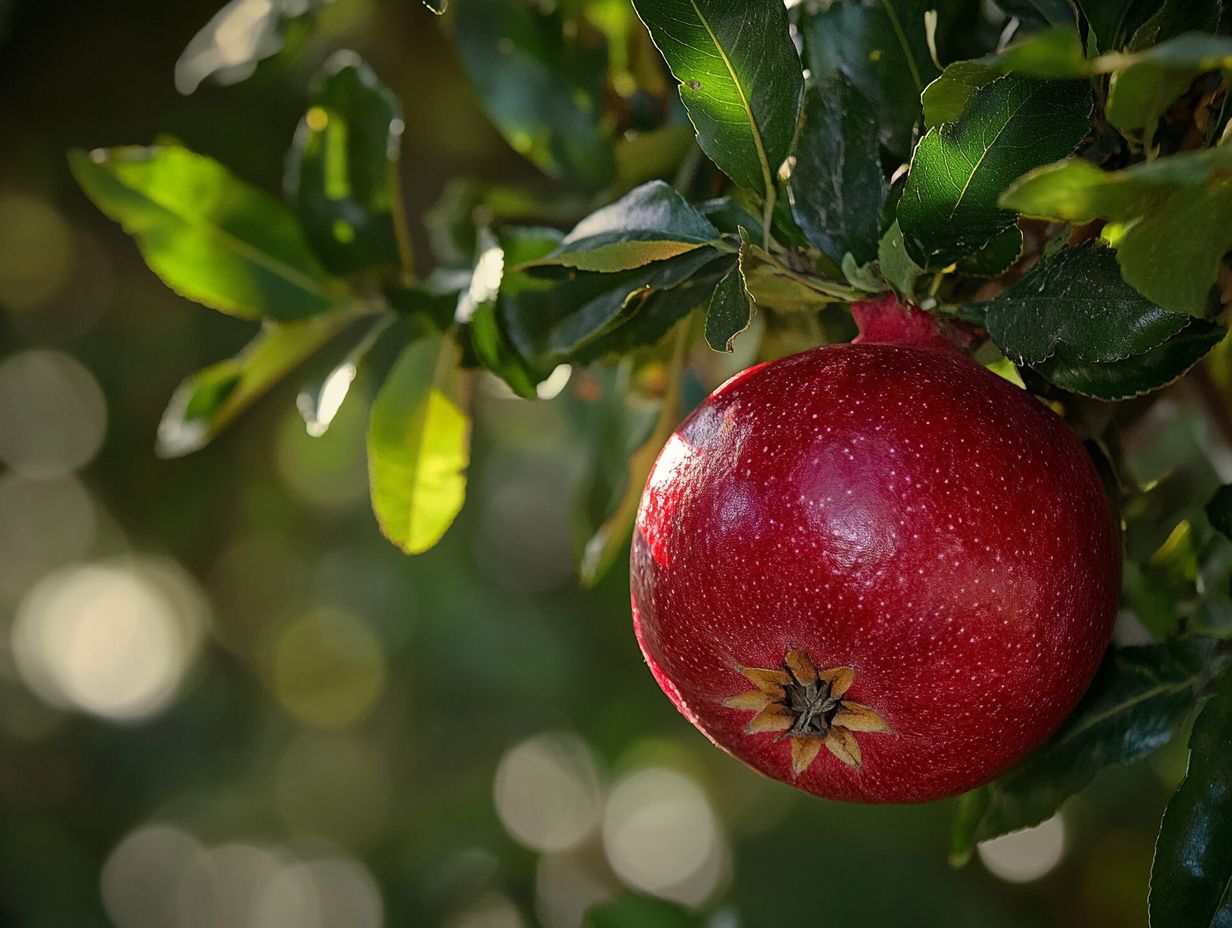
(1219, 510)
(559, 316)
(1011, 125)
(1141, 373)
(631, 911)
(653, 155)
(544, 93)
(1174, 17)
(1192, 873)
(996, 257)
(489, 338)
(731, 307)
(1111, 21)
(208, 400)
(1079, 300)
(651, 223)
(1136, 703)
(740, 80)
(837, 186)
(729, 216)
(1051, 12)
(419, 446)
(341, 174)
(882, 48)
(210, 237)
(239, 36)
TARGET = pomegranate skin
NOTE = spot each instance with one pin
(892, 509)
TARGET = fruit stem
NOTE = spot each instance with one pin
(883, 320)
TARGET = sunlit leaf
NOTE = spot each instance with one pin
(1177, 213)
(740, 80)
(1009, 126)
(238, 37)
(209, 236)
(208, 400)
(419, 446)
(1147, 83)
(648, 224)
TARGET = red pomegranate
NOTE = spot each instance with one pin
(880, 549)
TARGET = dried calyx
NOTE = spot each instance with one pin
(808, 706)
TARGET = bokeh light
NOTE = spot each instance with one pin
(333, 786)
(52, 414)
(662, 837)
(67, 521)
(566, 886)
(328, 668)
(1024, 856)
(490, 911)
(547, 791)
(112, 638)
(140, 879)
(36, 251)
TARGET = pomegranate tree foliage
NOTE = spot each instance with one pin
(1058, 176)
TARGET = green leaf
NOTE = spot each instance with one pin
(209, 236)
(648, 224)
(882, 48)
(1110, 21)
(418, 446)
(208, 400)
(1011, 125)
(740, 80)
(653, 155)
(543, 92)
(1056, 53)
(341, 173)
(1219, 510)
(480, 304)
(558, 315)
(731, 306)
(996, 257)
(899, 271)
(1138, 700)
(1077, 300)
(945, 98)
(1192, 873)
(630, 911)
(1174, 17)
(215, 53)
(837, 186)
(1136, 375)
(1177, 212)
(1173, 254)
(1144, 85)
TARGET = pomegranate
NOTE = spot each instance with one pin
(875, 571)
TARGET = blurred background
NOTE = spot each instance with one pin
(227, 702)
